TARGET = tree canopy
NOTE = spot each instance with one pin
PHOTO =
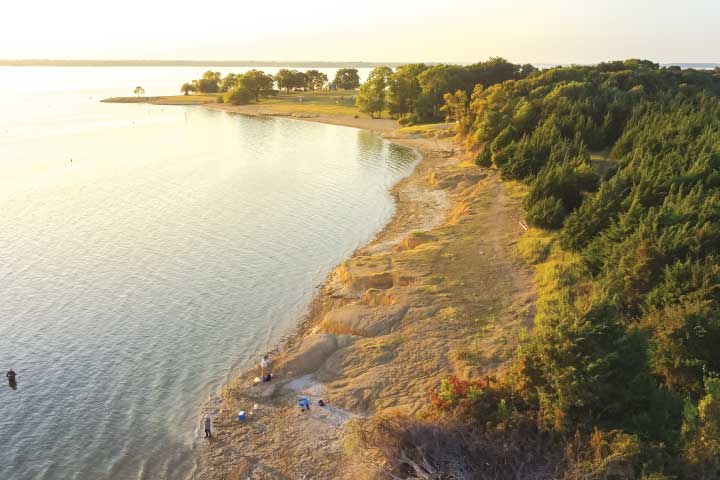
(290, 79)
(372, 94)
(347, 79)
(209, 83)
(315, 80)
(627, 341)
(416, 93)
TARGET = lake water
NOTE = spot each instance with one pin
(149, 252)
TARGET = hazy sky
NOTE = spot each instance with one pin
(375, 30)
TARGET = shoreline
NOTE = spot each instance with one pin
(307, 322)
(378, 125)
(438, 292)
(358, 330)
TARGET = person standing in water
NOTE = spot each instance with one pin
(208, 426)
(10, 375)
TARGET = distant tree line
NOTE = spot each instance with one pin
(250, 86)
(414, 93)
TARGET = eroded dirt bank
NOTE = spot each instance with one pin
(437, 293)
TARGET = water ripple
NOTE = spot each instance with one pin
(133, 283)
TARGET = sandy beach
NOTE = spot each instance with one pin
(438, 292)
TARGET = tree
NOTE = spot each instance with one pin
(256, 82)
(347, 79)
(456, 107)
(298, 80)
(283, 78)
(435, 82)
(139, 91)
(371, 97)
(209, 83)
(239, 95)
(187, 88)
(314, 80)
(290, 79)
(701, 431)
(404, 89)
(228, 82)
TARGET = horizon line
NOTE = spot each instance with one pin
(248, 63)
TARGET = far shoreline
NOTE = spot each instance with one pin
(287, 108)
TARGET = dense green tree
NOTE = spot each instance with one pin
(404, 89)
(187, 88)
(314, 80)
(256, 82)
(701, 432)
(575, 362)
(239, 95)
(435, 82)
(290, 79)
(283, 78)
(456, 107)
(371, 96)
(237, 88)
(228, 82)
(209, 83)
(438, 80)
(347, 79)
(624, 159)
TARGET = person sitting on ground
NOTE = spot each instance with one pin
(208, 426)
(304, 404)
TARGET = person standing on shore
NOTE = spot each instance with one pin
(264, 364)
(208, 426)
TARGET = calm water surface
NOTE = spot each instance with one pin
(148, 252)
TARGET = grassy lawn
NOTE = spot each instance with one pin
(425, 129)
(318, 103)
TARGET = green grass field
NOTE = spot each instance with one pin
(317, 103)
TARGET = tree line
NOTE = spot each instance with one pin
(413, 93)
(620, 376)
(250, 86)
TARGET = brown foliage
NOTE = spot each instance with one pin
(412, 449)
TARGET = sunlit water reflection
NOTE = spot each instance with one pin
(148, 253)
